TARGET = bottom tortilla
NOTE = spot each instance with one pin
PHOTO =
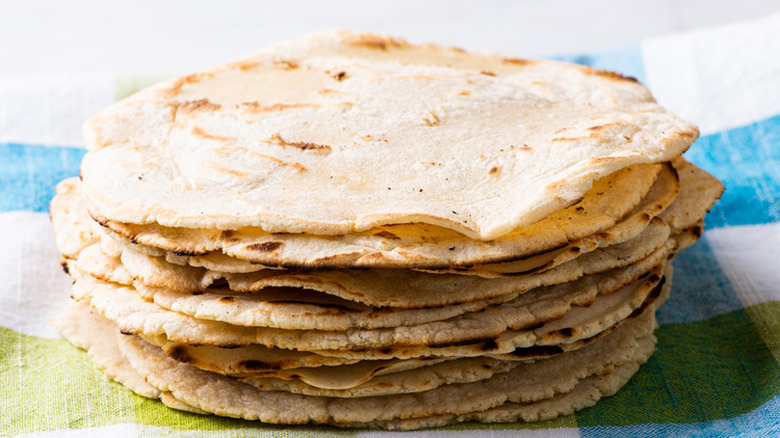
(537, 391)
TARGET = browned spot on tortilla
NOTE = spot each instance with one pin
(218, 283)
(433, 120)
(605, 126)
(486, 366)
(179, 352)
(604, 235)
(126, 331)
(384, 385)
(387, 235)
(594, 132)
(175, 88)
(302, 145)
(324, 262)
(487, 344)
(518, 61)
(227, 300)
(256, 365)
(227, 151)
(599, 160)
(186, 253)
(286, 64)
(607, 74)
(689, 133)
(265, 246)
(192, 106)
(564, 332)
(198, 131)
(536, 351)
(651, 297)
(564, 139)
(340, 76)
(539, 351)
(643, 275)
(64, 264)
(230, 239)
(244, 65)
(374, 41)
(697, 231)
(260, 108)
(464, 93)
(487, 72)
(327, 91)
(494, 170)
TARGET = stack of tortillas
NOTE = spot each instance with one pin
(352, 230)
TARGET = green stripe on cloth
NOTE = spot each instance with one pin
(49, 385)
(701, 371)
(767, 321)
(37, 394)
(130, 84)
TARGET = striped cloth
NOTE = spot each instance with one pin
(716, 371)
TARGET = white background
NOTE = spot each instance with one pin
(101, 36)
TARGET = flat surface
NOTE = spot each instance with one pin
(97, 36)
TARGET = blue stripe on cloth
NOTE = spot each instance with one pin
(700, 289)
(626, 60)
(29, 173)
(764, 421)
(747, 160)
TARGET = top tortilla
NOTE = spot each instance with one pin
(341, 132)
(417, 246)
